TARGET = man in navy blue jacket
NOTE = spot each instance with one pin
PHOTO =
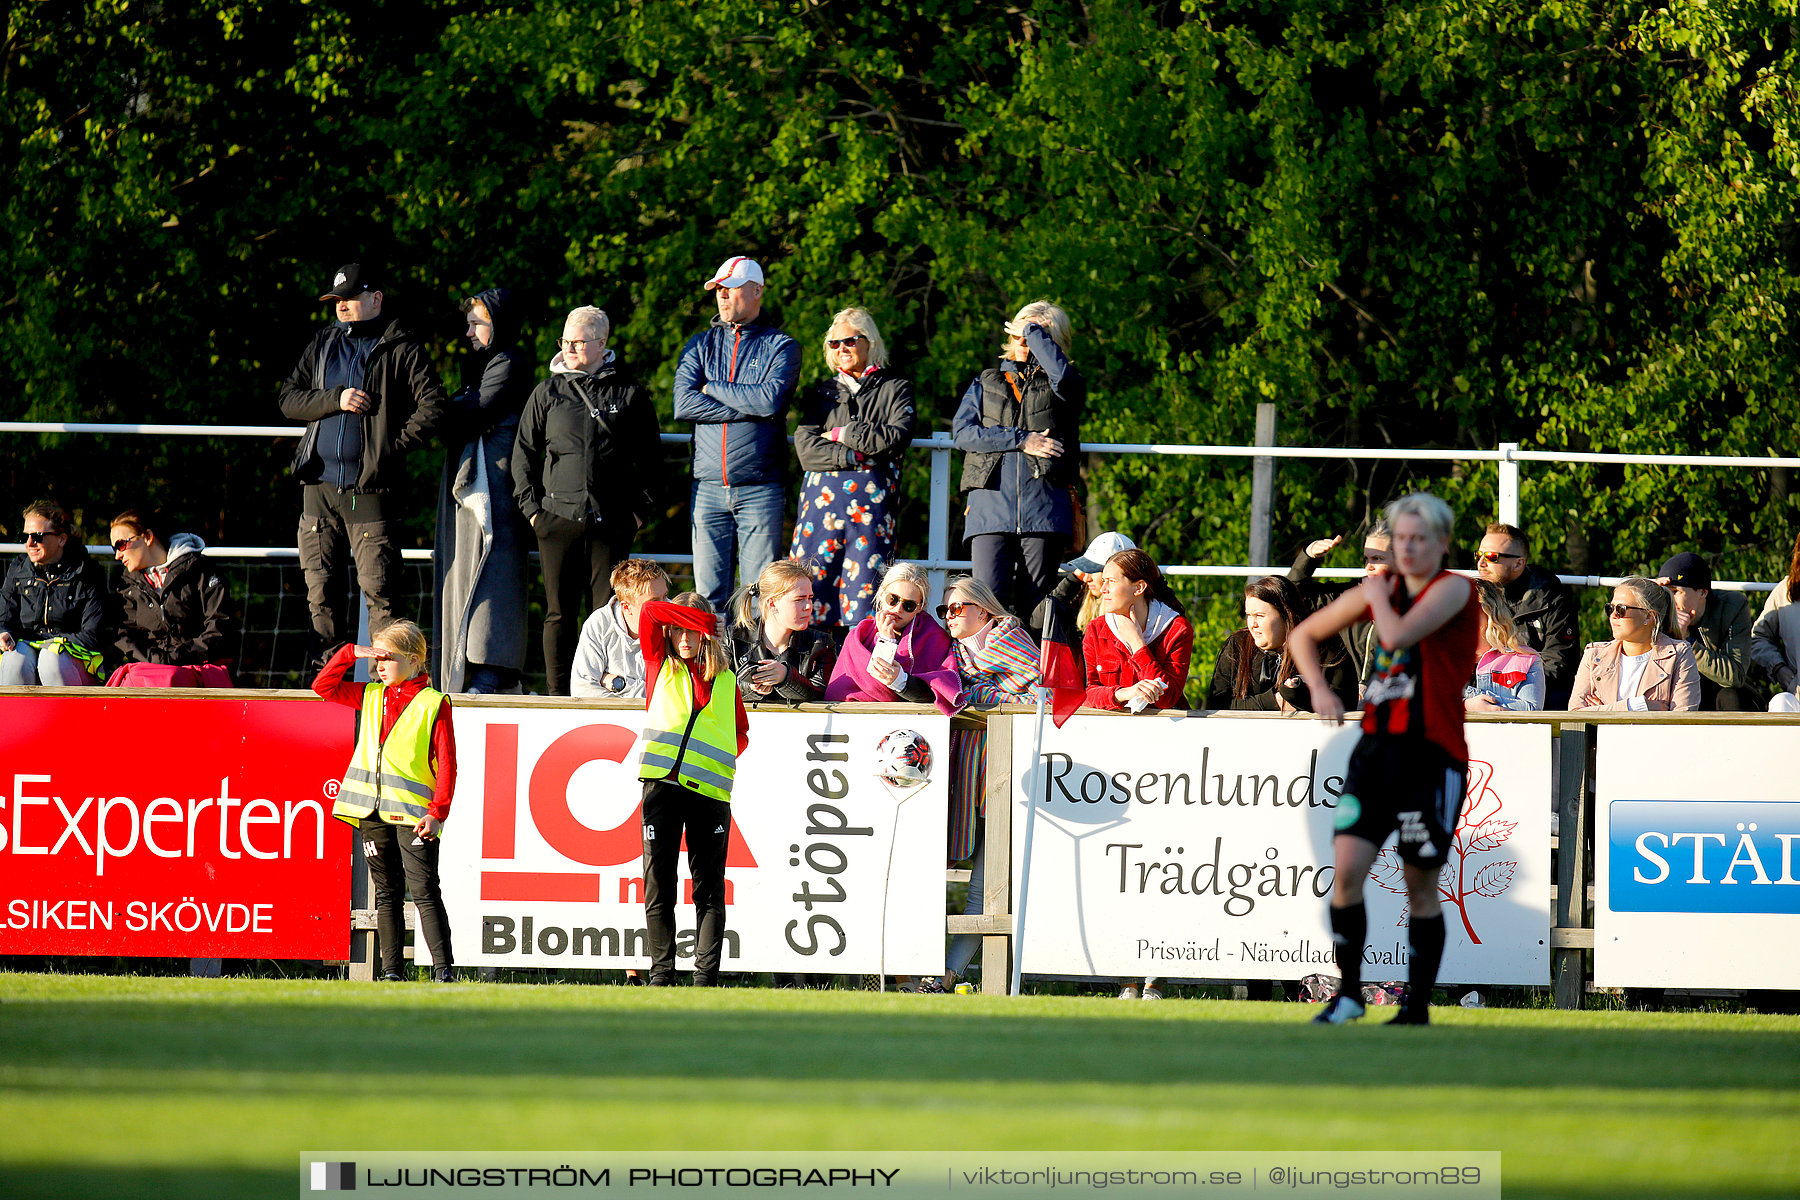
(733, 382)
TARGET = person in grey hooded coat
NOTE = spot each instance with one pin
(480, 560)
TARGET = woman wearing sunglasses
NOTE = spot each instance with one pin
(1642, 669)
(52, 606)
(854, 428)
(178, 629)
(1019, 426)
(900, 653)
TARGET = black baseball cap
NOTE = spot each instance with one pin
(1688, 570)
(352, 280)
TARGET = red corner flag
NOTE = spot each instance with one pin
(1058, 668)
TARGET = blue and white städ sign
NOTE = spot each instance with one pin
(1697, 868)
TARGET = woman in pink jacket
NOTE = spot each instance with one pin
(1642, 669)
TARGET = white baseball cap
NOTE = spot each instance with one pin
(1098, 551)
(735, 272)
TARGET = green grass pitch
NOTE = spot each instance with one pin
(140, 1087)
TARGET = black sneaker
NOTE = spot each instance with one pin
(444, 975)
(1410, 1016)
(392, 977)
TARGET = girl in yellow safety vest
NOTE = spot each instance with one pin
(696, 730)
(398, 786)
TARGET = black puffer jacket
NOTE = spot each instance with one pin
(409, 403)
(66, 598)
(1543, 609)
(809, 657)
(588, 444)
(1264, 689)
(190, 621)
(877, 421)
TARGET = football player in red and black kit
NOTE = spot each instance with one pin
(1409, 769)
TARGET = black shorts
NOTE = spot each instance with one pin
(1405, 784)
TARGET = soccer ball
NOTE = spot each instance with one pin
(903, 758)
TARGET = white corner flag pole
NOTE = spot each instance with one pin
(1037, 757)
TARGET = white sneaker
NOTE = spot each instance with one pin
(1153, 993)
(1339, 1010)
(1128, 992)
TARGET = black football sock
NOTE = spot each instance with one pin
(1349, 929)
(1427, 935)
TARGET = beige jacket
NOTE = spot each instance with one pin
(1671, 678)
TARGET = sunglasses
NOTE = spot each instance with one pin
(37, 539)
(955, 609)
(1371, 560)
(1493, 556)
(1620, 610)
(577, 343)
(120, 545)
(834, 343)
(892, 601)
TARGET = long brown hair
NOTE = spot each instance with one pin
(711, 659)
(1139, 567)
(1793, 579)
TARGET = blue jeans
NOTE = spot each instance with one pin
(736, 530)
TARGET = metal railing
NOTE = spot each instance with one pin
(937, 561)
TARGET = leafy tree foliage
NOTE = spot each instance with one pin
(1565, 223)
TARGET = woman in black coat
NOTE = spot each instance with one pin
(52, 606)
(1019, 426)
(854, 428)
(173, 610)
(1255, 669)
(774, 650)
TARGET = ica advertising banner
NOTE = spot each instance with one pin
(1198, 848)
(1695, 876)
(832, 867)
(135, 825)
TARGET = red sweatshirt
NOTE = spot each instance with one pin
(653, 619)
(1110, 666)
(331, 685)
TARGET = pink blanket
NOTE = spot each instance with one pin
(924, 653)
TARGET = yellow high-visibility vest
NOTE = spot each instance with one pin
(697, 749)
(395, 778)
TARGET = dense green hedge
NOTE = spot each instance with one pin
(1570, 225)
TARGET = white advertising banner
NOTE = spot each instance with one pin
(1696, 878)
(1198, 848)
(542, 862)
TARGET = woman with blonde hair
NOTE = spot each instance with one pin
(776, 653)
(1642, 669)
(1019, 426)
(1509, 675)
(854, 429)
(997, 661)
(694, 733)
(900, 653)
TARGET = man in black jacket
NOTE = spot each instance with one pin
(587, 451)
(1542, 608)
(368, 393)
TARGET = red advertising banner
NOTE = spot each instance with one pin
(152, 826)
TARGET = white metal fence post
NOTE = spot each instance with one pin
(1506, 504)
(937, 542)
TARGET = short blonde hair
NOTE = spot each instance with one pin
(404, 637)
(592, 319)
(1438, 516)
(976, 592)
(859, 320)
(632, 578)
(903, 572)
(1051, 317)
